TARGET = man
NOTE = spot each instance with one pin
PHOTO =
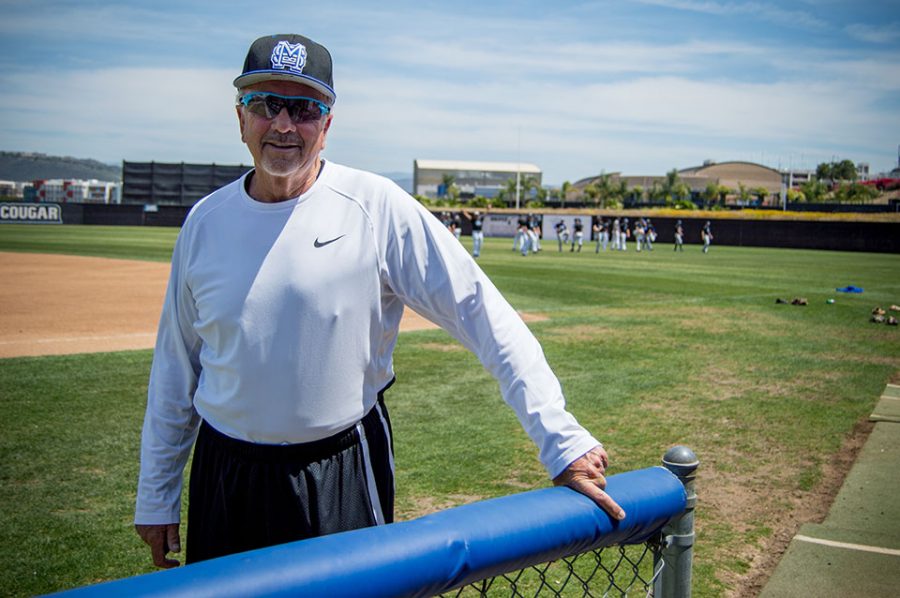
(707, 236)
(562, 233)
(649, 234)
(280, 318)
(578, 238)
(639, 234)
(521, 238)
(477, 221)
(534, 232)
(456, 226)
(679, 236)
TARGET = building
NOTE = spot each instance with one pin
(793, 179)
(484, 179)
(731, 175)
(180, 184)
(75, 191)
(12, 189)
(735, 175)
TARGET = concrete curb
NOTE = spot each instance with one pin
(856, 550)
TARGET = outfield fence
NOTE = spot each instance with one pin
(550, 542)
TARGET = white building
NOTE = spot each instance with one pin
(12, 189)
(484, 179)
(77, 191)
(794, 178)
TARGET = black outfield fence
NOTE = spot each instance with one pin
(124, 214)
(839, 235)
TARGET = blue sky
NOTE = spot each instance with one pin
(577, 88)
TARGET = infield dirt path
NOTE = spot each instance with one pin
(59, 304)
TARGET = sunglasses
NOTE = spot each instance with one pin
(301, 109)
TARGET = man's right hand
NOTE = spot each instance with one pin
(162, 540)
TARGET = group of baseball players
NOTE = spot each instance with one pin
(453, 222)
(615, 234)
(528, 234)
(608, 233)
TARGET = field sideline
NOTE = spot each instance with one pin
(653, 349)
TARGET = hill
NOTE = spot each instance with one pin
(28, 166)
(403, 179)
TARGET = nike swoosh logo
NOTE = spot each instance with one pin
(317, 243)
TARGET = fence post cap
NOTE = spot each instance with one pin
(680, 460)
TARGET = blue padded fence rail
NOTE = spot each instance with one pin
(431, 554)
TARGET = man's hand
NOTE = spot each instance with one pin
(585, 475)
(162, 540)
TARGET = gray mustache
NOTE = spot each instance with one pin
(284, 140)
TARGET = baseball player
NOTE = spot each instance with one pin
(477, 221)
(707, 236)
(679, 236)
(578, 237)
(562, 233)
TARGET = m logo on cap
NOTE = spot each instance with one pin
(289, 57)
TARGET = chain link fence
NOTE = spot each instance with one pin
(549, 542)
(617, 571)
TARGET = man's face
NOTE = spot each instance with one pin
(279, 146)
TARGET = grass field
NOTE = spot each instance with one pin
(653, 349)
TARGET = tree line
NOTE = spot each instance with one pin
(833, 182)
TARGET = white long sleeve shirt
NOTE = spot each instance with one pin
(280, 321)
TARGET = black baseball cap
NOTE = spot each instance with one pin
(288, 57)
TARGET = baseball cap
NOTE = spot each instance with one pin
(288, 57)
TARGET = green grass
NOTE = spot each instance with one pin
(124, 242)
(652, 350)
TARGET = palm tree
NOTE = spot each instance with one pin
(447, 182)
(605, 189)
(711, 193)
(743, 193)
(656, 192)
(637, 193)
(668, 186)
(591, 192)
(724, 192)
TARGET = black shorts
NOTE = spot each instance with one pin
(245, 496)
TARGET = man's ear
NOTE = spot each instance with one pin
(240, 116)
(325, 129)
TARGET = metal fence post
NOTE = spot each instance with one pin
(674, 581)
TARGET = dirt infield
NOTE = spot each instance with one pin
(59, 304)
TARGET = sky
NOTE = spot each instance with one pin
(577, 88)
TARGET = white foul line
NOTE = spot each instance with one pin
(71, 339)
(849, 546)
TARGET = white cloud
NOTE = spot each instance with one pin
(574, 93)
(543, 60)
(122, 113)
(762, 10)
(626, 121)
(876, 34)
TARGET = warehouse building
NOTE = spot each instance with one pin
(484, 179)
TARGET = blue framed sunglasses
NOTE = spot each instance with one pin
(301, 109)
